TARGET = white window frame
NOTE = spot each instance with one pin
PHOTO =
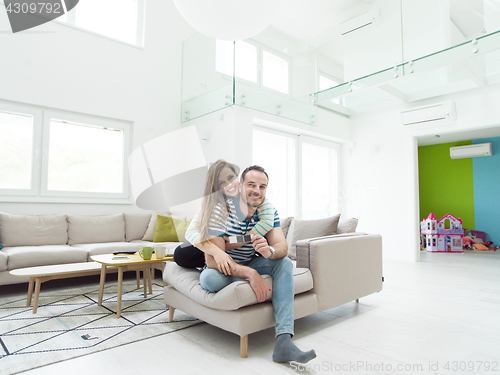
(38, 191)
(141, 16)
(300, 139)
(35, 146)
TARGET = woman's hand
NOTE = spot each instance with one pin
(225, 264)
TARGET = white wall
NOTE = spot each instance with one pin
(377, 182)
(61, 67)
(380, 167)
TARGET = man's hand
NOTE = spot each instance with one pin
(261, 246)
(231, 246)
(259, 286)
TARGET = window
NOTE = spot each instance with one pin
(122, 20)
(282, 171)
(245, 60)
(84, 158)
(48, 155)
(254, 63)
(274, 72)
(16, 143)
(303, 181)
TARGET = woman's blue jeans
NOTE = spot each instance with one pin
(281, 271)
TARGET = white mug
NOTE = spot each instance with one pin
(160, 251)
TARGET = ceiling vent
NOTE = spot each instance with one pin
(435, 113)
(360, 22)
(471, 151)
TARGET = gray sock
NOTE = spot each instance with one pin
(286, 351)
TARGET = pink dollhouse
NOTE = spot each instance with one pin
(440, 237)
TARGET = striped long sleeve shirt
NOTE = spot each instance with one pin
(265, 213)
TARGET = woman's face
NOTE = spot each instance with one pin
(228, 182)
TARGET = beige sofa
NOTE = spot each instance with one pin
(40, 240)
(329, 271)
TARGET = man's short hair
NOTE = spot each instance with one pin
(253, 168)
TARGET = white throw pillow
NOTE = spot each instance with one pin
(347, 226)
(305, 229)
(150, 232)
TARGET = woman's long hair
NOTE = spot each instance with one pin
(212, 196)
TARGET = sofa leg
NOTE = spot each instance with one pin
(244, 346)
(171, 311)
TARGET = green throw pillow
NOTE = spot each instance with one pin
(170, 230)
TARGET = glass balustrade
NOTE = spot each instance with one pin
(389, 52)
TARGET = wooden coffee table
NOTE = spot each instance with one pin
(40, 274)
(126, 263)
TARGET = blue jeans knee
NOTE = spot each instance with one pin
(212, 280)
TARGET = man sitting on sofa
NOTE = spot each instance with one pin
(263, 255)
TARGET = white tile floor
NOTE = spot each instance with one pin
(440, 315)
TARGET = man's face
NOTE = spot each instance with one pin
(253, 188)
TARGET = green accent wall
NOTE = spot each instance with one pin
(446, 185)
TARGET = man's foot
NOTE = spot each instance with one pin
(286, 351)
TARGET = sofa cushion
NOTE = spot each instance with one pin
(347, 226)
(135, 226)
(95, 229)
(32, 256)
(233, 296)
(304, 229)
(285, 225)
(27, 230)
(3, 261)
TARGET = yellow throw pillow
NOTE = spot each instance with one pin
(181, 227)
(170, 230)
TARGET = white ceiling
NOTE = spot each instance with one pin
(316, 21)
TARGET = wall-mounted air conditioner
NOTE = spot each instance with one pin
(359, 22)
(439, 112)
(471, 151)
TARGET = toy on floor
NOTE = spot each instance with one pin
(475, 240)
(440, 239)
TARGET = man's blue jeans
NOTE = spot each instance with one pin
(281, 271)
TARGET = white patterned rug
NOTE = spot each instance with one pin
(69, 323)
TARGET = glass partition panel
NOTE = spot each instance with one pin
(420, 35)
(270, 72)
(207, 76)
(286, 77)
(466, 66)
